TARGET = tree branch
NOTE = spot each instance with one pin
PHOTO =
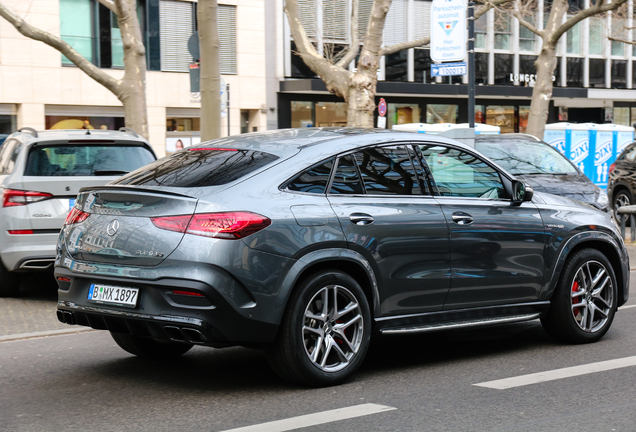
(595, 9)
(354, 44)
(110, 4)
(527, 25)
(53, 41)
(336, 78)
(426, 40)
(625, 41)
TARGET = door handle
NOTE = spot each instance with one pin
(462, 218)
(361, 218)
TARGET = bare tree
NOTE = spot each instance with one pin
(209, 43)
(357, 88)
(131, 89)
(556, 26)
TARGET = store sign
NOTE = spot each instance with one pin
(448, 30)
(529, 78)
(448, 69)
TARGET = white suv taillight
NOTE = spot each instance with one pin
(14, 197)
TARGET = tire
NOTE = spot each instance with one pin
(584, 302)
(316, 345)
(620, 199)
(9, 282)
(150, 348)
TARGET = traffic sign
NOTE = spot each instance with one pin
(382, 108)
(448, 69)
(448, 30)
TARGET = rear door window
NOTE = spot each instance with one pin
(198, 167)
(388, 170)
(346, 179)
(85, 160)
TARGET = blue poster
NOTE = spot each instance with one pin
(556, 138)
(603, 155)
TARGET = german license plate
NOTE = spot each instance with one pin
(107, 294)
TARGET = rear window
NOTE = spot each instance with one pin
(86, 160)
(199, 167)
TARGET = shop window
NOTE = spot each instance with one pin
(502, 30)
(502, 116)
(480, 113)
(396, 66)
(84, 122)
(622, 116)
(298, 67)
(481, 68)
(423, 66)
(597, 73)
(596, 36)
(574, 72)
(503, 69)
(402, 114)
(76, 28)
(302, 114)
(331, 114)
(441, 113)
(619, 74)
(8, 124)
(245, 121)
(524, 114)
(481, 31)
(574, 39)
(180, 124)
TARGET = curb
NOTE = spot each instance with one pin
(22, 336)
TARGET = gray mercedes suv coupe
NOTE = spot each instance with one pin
(305, 242)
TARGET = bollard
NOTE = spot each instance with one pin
(623, 212)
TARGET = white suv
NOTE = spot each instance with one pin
(40, 176)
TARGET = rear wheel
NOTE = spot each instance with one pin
(621, 198)
(149, 348)
(9, 282)
(584, 302)
(325, 333)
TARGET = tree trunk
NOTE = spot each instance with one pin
(209, 44)
(132, 88)
(542, 92)
(361, 99)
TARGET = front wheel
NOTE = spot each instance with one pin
(149, 348)
(584, 302)
(325, 332)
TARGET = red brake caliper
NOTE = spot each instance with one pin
(575, 288)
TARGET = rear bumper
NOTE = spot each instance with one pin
(212, 321)
(19, 251)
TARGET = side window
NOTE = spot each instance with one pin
(461, 174)
(8, 155)
(631, 155)
(346, 179)
(388, 171)
(314, 180)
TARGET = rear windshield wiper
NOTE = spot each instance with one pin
(109, 172)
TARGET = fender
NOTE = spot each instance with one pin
(578, 239)
(330, 254)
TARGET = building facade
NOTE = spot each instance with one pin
(595, 80)
(40, 88)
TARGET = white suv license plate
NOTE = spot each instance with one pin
(107, 294)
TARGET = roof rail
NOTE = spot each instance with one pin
(29, 130)
(129, 130)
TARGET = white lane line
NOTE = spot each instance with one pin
(315, 419)
(21, 336)
(626, 307)
(556, 374)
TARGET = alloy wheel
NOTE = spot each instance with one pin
(592, 296)
(621, 200)
(333, 328)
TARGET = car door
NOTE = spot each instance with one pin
(389, 216)
(497, 247)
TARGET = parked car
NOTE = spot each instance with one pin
(40, 176)
(621, 183)
(541, 166)
(306, 241)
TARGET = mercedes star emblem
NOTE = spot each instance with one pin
(112, 228)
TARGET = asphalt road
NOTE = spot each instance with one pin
(84, 382)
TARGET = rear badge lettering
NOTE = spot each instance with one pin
(149, 253)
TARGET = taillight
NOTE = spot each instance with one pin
(13, 197)
(75, 216)
(612, 168)
(231, 225)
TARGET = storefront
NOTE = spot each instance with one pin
(84, 117)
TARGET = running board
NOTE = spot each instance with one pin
(461, 324)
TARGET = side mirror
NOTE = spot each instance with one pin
(521, 192)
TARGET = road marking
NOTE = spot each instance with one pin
(315, 419)
(21, 336)
(556, 374)
(626, 307)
